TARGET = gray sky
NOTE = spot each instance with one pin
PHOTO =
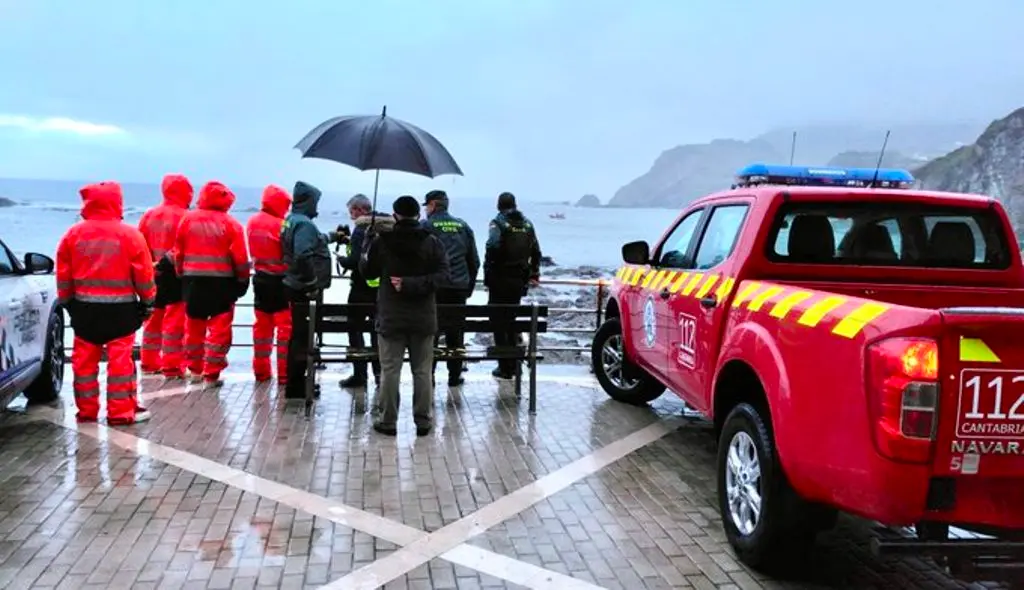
(548, 98)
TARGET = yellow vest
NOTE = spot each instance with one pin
(372, 283)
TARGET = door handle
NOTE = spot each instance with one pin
(708, 302)
(665, 294)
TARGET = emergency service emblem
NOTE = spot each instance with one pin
(650, 322)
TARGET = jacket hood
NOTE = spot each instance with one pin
(102, 201)
(276, 201)
(306, 199)
(177, 190)
(383, 221)
(214, 196)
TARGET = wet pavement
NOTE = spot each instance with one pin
(234, 488)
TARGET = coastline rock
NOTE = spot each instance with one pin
(588, 201)
(5, 202)
(546, 261)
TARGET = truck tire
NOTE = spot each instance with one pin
(769, 527)
(621, 380)
(46, 387)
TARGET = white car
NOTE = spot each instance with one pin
(31, 329)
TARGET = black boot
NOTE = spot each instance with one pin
(353, 382)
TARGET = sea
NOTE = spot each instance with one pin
(584, 237)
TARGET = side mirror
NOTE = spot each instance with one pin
(38, 264)
(636, 253)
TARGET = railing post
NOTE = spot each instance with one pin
(600, 304)
(319, 332)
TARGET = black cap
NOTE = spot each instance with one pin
(435, 195)
(406, 206)
(506, 201)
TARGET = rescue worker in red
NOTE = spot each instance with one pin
(105, 282)
(270, 299)
(211, 259)
(164, 333)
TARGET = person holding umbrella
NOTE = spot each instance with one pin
(362, 290)
(411, 264)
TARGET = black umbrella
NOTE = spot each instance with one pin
(378, 143)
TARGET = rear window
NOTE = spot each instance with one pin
(888, 234)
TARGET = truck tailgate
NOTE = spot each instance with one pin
(981, 428)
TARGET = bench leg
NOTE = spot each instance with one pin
(519, 379)
(312, 350)
(533, 386)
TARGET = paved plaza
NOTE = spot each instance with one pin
(234, 488)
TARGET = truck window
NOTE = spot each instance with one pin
(720, 235)
(888, 234)
(6, 261)
(676, 246)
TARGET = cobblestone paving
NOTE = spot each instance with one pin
(79, 512)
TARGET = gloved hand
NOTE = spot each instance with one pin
(341, 235)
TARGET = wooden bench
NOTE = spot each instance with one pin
(334, 318)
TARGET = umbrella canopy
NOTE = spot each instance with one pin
(378, 142)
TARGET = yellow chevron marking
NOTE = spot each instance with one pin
(620, 272)
(854, 321)
(693, 283)
(782, 307)
(814, 313)
(757, 302)
(974, 350)
(669, 277)
(679, 282)
(725, 288)
(745, 294)
(637, 276)
(650, 277)
(706, 287)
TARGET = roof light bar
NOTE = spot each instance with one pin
(757, 174)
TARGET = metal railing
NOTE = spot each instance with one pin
(601, 285)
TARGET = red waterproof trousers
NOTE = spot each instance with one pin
(162, 338)
(122, 386)
(263, 332)
(207, 343)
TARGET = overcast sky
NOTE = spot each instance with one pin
(547, 98)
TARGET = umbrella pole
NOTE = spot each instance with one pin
(376, 184)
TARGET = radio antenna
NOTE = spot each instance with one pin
(881, 154)
(792, 149)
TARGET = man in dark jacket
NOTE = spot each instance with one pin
(411, 265)
(511, 265)
(362, 290)
(463, 264)
(306, 253)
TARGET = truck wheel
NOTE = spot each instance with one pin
(46, 387)
(621, 380)
(766, 523)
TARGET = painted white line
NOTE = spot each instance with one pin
(447, 538)
(518, 572)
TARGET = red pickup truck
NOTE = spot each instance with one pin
(858, 350)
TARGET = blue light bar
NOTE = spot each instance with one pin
(757, 174)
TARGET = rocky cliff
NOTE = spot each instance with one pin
(589, 201)
(858, 159)
(686, 172)
(993, 165)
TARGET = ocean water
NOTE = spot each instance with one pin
(584, 237)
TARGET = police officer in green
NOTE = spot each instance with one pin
(511, 266)
(362, 290)
(463, 265)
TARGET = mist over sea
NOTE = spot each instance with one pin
(584, 237)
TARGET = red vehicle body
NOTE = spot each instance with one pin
(886, 384)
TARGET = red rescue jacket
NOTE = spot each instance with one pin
(101, 259)
(210, 242)
(264, 232)
(160, 224)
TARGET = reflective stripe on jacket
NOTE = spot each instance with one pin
(210, 242)
(101, 259)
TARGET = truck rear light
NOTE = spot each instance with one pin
(903, 394)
